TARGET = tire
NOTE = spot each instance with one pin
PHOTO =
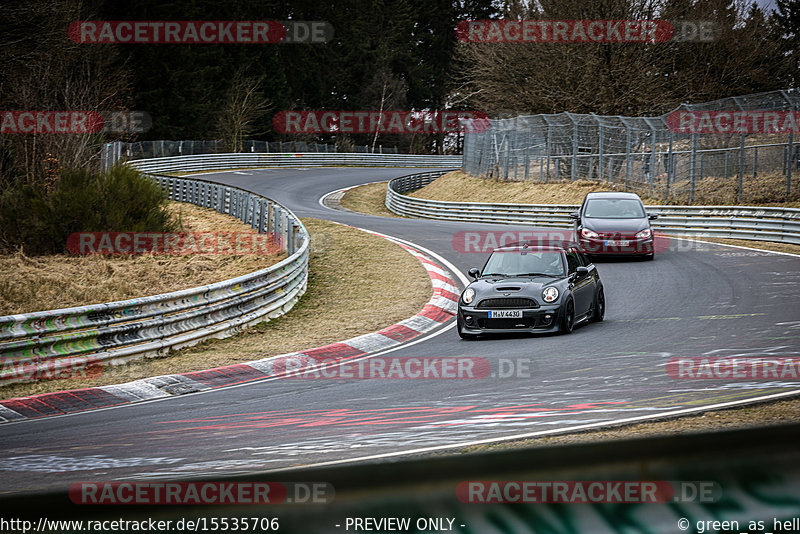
(599, 309)
(461, 333)
(568, 319)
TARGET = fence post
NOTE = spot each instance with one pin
(628, 167)
(574, 171)
(741, 170)
(790, 147)
(670, 166)
(727, 162)
(599, 150)
(653, 158)
(755, 161)
(527, 162)
(549, 149)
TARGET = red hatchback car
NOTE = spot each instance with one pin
(611, 223)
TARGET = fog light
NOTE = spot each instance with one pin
(468, 319)
(547, 319)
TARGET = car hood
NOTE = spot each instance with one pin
(515, 286)
(616, 225)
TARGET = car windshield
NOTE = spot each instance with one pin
(522, 263)
(614, 208)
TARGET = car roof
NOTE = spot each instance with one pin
(530, 248)
(612, 194)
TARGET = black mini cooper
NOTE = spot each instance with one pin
(531, 289)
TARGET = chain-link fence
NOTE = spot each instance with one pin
(653, 156)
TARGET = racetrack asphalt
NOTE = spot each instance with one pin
(695, 299)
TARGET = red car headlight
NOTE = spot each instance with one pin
(644, 234)
(585, 232)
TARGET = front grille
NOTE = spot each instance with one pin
(506, 324)
(510, 302)
(616, 235)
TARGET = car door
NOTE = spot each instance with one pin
(583, 287)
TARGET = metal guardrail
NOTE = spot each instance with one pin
(734, 222)
(124, 330)
(306, 159)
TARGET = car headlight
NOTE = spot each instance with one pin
(550, 294)
(644, 234)
(585, 232)
(468, 296)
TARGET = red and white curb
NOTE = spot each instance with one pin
(440, 308)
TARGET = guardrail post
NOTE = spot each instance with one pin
(290, 228)
(276, 223)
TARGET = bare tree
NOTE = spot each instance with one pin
(45, 71)
(618, 78)
(244, 107)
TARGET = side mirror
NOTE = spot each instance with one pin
(652, 216)
(474, 272)
(581, 271)
(575, 215)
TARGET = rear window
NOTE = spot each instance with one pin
(614, 208)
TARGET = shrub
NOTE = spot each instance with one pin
(39, 221)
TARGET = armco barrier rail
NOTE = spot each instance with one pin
(734, 222)
(306, 159)
(118, 331)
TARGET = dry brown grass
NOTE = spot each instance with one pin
(29, 284)
(369, 199)
(354, 282)
(773, 413)
(765, 190)
(460, 187)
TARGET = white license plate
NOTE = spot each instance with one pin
(612, 243)
(505, 314)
